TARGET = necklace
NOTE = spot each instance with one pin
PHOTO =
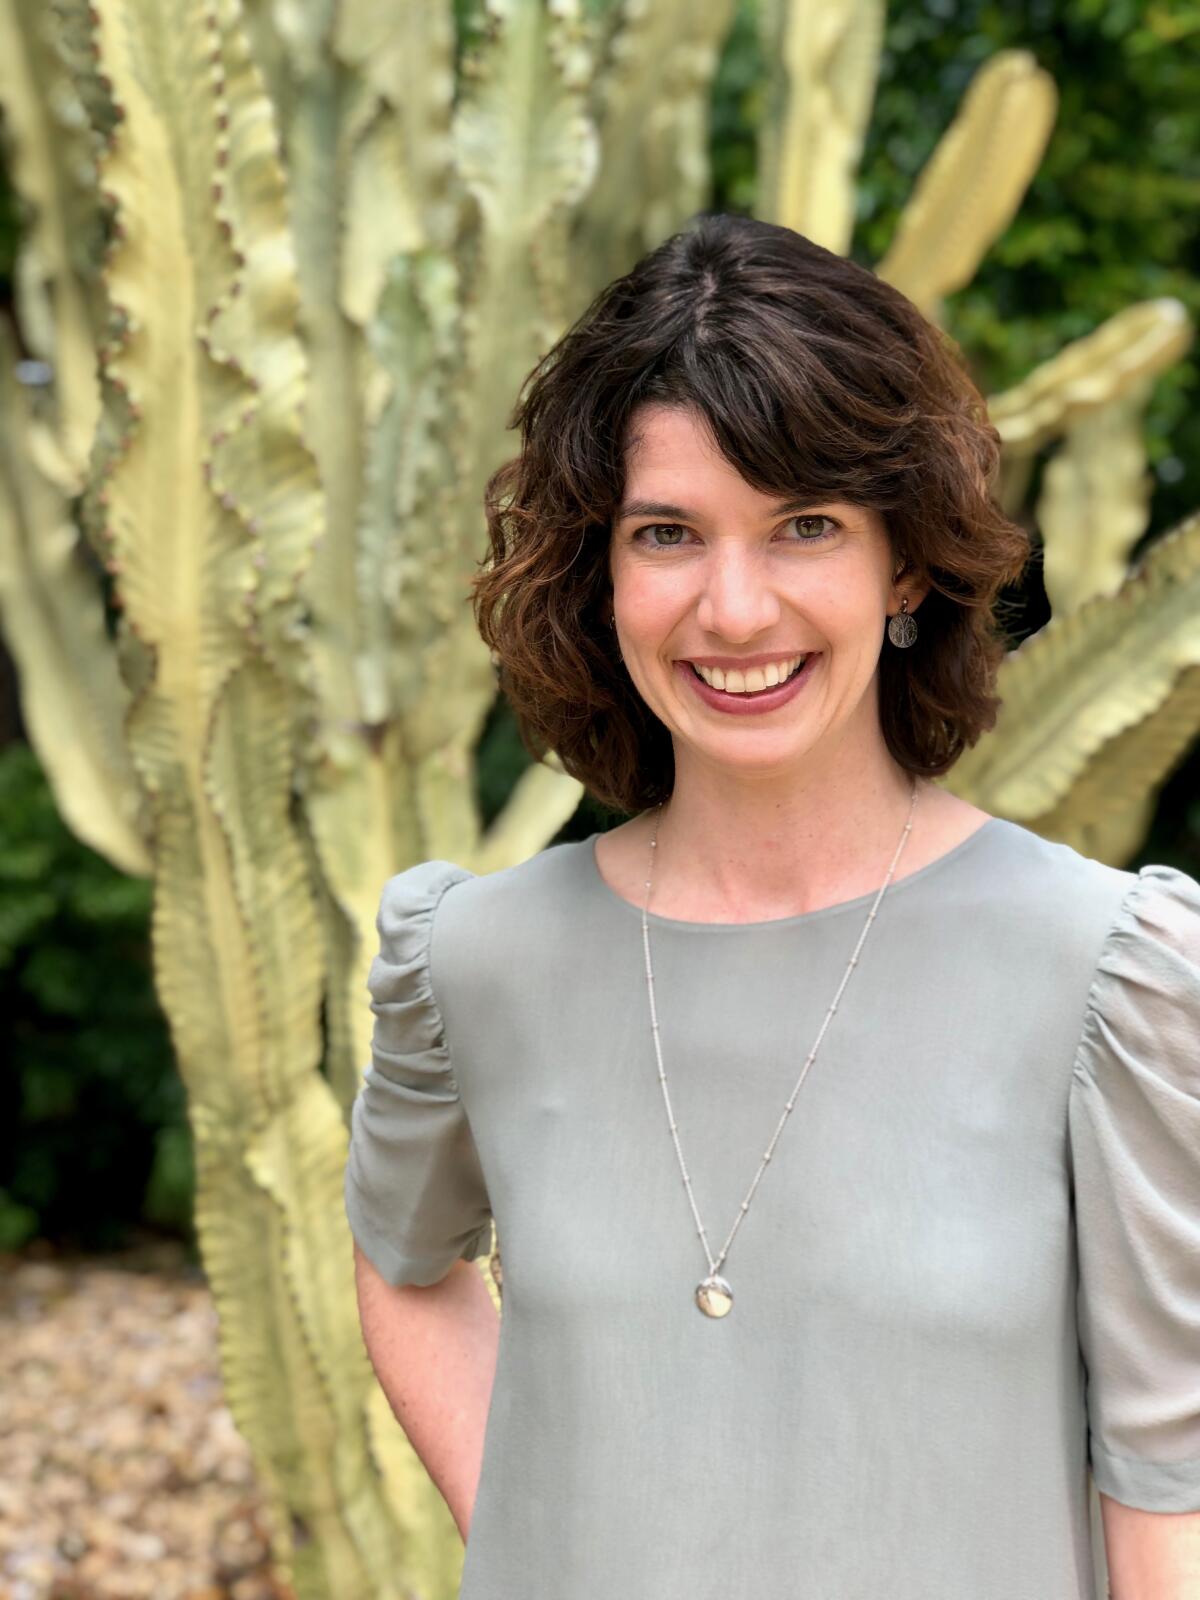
(713, 1294)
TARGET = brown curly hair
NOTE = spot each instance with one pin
(813, 376)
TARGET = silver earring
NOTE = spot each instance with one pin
(901, 628)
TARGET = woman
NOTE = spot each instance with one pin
(867, 1350)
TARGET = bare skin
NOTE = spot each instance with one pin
(434, 1349)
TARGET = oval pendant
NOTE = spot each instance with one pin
(714, 1296)
(902, 629)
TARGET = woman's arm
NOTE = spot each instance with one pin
(1152, 1555)
(434, 1352)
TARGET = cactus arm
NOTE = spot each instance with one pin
(825, 63)
(1093, 508)
(364, 94)
(1094, 504)
(1108, 811)
(425, 338)
(72, 697)
(525, 152)
(401, 195)
(53, 171)
(649, 101)
(1085, 680)
(357, 809)
(1138, 342)
(973, 183)
(333, 420)
(403, 293)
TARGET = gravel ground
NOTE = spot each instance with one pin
(122, 1476)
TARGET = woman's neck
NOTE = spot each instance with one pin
(745, 852)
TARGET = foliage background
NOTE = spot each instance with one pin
(94, 1143)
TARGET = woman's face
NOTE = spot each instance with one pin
(706, 569)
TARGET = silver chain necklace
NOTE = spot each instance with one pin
(713, 1294)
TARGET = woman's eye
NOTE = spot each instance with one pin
(827, 534)
(660, 527)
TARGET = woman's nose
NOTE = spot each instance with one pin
(736, 600)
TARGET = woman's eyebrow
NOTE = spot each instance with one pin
(663, 508)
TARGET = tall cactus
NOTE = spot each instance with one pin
(210, 506)
(333, 256)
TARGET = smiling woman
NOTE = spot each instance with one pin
(811, 588)
(797, 388)
(742, 579)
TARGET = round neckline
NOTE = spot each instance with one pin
(607, 892)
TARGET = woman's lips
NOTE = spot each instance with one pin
(749, 704)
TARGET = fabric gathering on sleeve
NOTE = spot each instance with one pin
(1134, 1137)
(415, 1195)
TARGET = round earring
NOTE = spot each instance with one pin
(901, 628)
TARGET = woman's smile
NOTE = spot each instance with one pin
(748, 701)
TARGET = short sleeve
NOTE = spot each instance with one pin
(415, 1194)
(1134, 1133)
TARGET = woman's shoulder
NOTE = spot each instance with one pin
(502, 906)
(1049, 875)
(1058, 888)
(442, 925)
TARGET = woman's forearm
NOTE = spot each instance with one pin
(434, 1352)
(1151, 1555)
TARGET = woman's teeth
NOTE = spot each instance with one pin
(752, 681)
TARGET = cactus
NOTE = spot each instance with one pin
(654, 66)
(1099, 697)
(46, 110)
(826, 61)
(332, 255)
(971, 186)
(210, 506)
(71, 690)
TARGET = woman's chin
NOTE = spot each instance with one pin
(744, 752)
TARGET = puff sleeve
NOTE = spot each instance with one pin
(1134, 1137)
(415, 1195)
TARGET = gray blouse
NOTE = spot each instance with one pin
(970, 1273)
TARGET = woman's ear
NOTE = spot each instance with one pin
(915, 592)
